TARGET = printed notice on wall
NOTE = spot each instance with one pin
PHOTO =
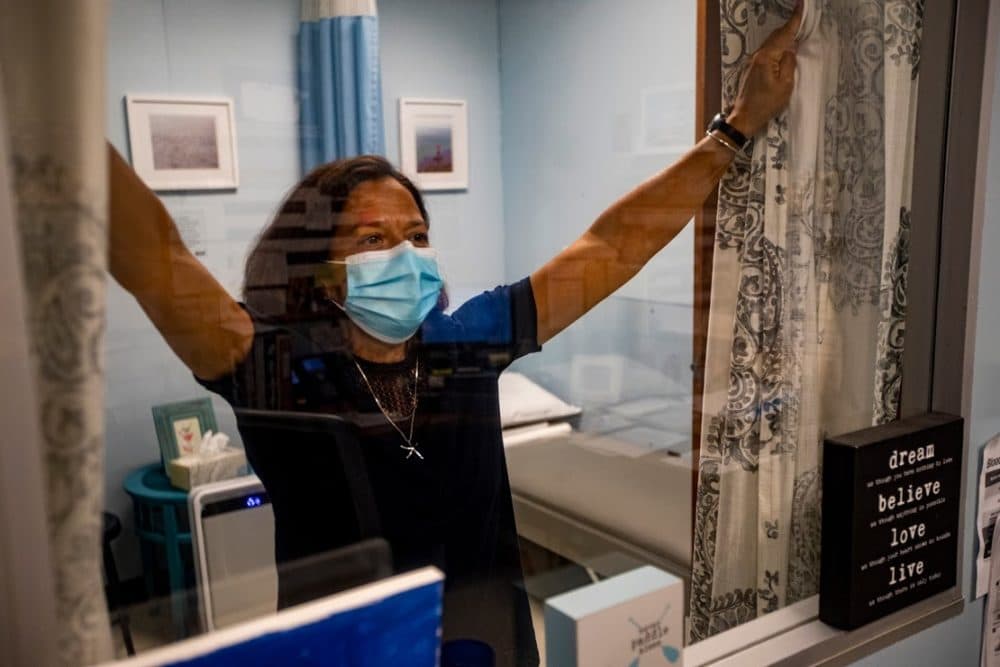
(192, 227)
(666, 123)
(989, 508)
(991, 619)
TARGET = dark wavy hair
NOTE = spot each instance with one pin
(282, 274)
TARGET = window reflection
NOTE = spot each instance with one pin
(301, 366)
(355, 343)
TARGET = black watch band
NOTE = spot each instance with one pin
(719, 124)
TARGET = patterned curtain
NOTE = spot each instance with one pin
(53, 76)
(340, 88)
(808, 295)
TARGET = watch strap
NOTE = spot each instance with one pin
(720, 125)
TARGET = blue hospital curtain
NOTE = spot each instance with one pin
(340, 90)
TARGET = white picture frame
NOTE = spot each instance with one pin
(183, 143)
(434, 143)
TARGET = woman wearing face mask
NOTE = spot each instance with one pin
(344, 314)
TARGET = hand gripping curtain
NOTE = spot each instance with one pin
(340, 90)
(52, 55)
(808, 295)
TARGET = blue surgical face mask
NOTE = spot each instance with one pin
(390, 292)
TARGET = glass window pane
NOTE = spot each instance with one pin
(431, 270)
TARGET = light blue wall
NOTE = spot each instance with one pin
(243, 49)
(448, 49)
(579, 82)
(956, 641)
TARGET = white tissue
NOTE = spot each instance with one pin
(212, 444)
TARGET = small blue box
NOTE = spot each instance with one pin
(635, 619)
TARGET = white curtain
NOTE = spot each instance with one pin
(53, 81)
(808, 295)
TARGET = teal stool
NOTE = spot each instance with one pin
(161, 519)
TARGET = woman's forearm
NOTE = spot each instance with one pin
(141, 236)
(643, 221)
(625, 237)
(203, 325)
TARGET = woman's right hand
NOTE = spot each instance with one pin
(768, 80)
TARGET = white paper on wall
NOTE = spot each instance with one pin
(667, 120)
(193, 228)
(990, 656)
(989, 509)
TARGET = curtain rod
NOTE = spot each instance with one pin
(314, 10)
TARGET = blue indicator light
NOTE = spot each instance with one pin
(253, 501)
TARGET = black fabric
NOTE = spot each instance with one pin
(452, 509)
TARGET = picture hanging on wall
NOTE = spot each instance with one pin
(434, 143)
(183, 143)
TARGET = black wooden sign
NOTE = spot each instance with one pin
(890, 517)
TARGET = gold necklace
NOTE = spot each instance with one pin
(410, 447)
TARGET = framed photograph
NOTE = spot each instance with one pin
(183, 143)
(180, 426)
(434, 143)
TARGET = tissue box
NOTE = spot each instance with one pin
(633, 619)
(187, 472)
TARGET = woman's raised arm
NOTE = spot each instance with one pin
(633, 229)
(202, 324)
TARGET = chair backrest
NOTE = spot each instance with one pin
(326, 447)
(314, 460)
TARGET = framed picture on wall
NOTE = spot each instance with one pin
(183, 143)
(434, 143)
(180, 426)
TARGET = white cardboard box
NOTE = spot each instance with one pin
(187, 472)
(631, 620)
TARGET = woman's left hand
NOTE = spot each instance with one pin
(768, 81)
